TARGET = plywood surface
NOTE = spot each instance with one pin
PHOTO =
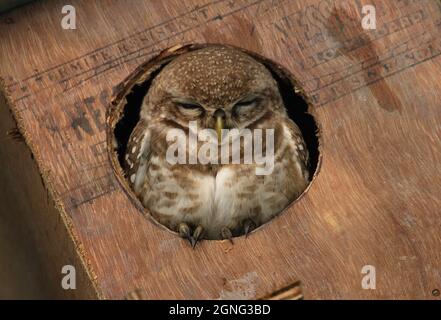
(376, 96)
(34, 242)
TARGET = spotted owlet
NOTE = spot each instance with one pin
(215, 88)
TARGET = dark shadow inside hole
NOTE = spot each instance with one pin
(130, 117)
(296, 107)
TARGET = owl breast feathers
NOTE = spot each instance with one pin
(216, 88)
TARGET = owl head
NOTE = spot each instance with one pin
(218, 87)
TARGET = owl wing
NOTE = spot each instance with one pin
(137, 156)
(298, 145)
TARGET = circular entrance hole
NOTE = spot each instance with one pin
(124, 115)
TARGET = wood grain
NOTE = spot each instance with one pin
(375, 94)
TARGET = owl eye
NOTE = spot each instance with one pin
(188, 108)
(188, 105)
(246, 104)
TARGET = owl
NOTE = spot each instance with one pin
(216, 88)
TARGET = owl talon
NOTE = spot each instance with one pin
(248, 226)
(226, 234)
(197, 235)
(184, 232)
(193, 242)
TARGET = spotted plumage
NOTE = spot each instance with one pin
(214, 201)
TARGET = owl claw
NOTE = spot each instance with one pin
(226, 234)
(184, 232)
(193, 242)
(248, 226)
(197, 235)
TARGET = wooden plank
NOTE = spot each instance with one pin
(375, 200)
(35, 240)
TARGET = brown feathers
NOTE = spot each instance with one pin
(218, 198)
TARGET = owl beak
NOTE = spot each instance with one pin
(219, 116)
